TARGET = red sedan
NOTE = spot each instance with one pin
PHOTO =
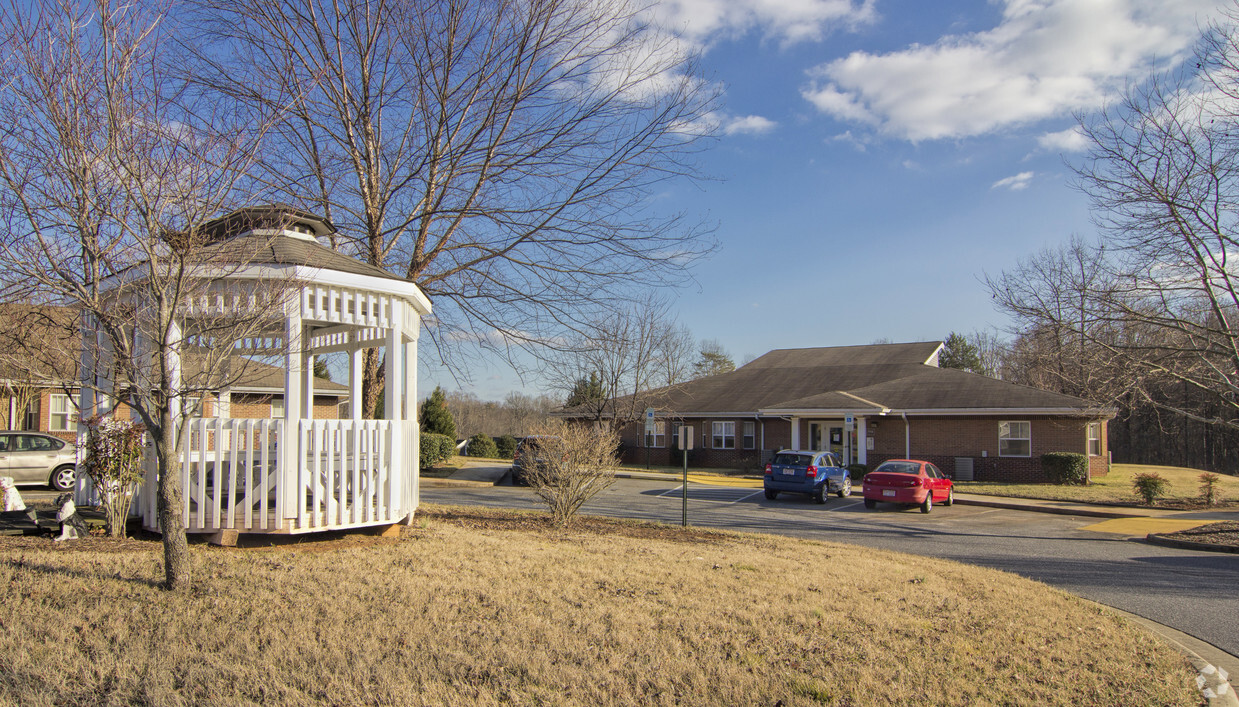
(908, 482)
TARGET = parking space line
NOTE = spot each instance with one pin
(744, 498)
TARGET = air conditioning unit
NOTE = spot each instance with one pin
(963, 468)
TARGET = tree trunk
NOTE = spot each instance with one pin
(171, 504)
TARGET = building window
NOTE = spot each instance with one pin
(675, 435)
(750, 435)
(724, 435)
(30, 419)
(1094, 439)
(658, 438)
(1014, 439)
(60, 413)
(277, 408)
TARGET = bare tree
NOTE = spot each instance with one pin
(498, 154)
(573, 463)
(106, 173)
(625, 353)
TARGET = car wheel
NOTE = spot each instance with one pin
(950, 498)
(870, 503)
(62, 479)
(928, 504)
(819, 496)
(771, 494)
(846, 490)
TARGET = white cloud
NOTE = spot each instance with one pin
(1015, 182)
(1069, 140)
(788, 21)
(747, 125)
(1045, 59)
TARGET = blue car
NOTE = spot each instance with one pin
(815, 474)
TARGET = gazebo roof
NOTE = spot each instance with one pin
(279, 234)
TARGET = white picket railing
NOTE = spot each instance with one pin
(233, 475)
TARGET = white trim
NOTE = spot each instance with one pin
(940, 412)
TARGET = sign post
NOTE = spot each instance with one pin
(685, 444)
(849, 423)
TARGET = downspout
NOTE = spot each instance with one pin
(907, 437)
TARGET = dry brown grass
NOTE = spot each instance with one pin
(484, 607)
(1115, 487)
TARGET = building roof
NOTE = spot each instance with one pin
(873, 379)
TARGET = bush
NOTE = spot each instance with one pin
(575, 463)
(1065, 468)
(481, 445)
(857, 472)
(506, 446)
(431, 449)
(1208, 488)
(1149, 486)
(113, 461)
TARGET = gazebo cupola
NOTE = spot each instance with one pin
(296, 474)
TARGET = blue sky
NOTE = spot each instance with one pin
(876, 158)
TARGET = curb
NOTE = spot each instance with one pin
(1212, 680)
(458, 483)
(1166, 541)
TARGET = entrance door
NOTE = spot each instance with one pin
(836, 439)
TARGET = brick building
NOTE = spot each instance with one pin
(869, 404)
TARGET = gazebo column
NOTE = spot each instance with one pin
(412, 482)
(356, 359)
(291, 494)
(393, 399)
(307, 391)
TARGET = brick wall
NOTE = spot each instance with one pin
(634, 451)
(941, 439)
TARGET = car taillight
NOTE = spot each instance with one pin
(769, 470)
(811, 472)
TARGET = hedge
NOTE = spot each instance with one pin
(481, 445)
(434, 448)
(1065, 468)
(506, 446)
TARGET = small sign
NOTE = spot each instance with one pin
(686, 437)
(849, 420)
(649, 421)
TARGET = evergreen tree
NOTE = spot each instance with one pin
(586, 391)
(435, 416)
(960, 353)
(712, 360)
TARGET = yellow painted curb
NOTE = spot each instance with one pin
(711, 480)
(1144, 526)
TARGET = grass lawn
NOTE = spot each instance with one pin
(478, 606)
(1115, 487)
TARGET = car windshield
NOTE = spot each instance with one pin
(793, 459)
(899, 468)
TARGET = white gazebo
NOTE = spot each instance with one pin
(295, 473)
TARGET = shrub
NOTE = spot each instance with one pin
(1065, 468)
(447, 446)
(858, 472)
(575, 463)
(1149, 486)
(430, 450)
(481, 445)
(113, 461)
(1208, 488)
(506, 446)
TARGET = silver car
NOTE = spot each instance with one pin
(33, 458)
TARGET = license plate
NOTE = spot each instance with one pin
(789, 472)
(888, 492)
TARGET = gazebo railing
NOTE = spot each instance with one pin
(232, 473)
